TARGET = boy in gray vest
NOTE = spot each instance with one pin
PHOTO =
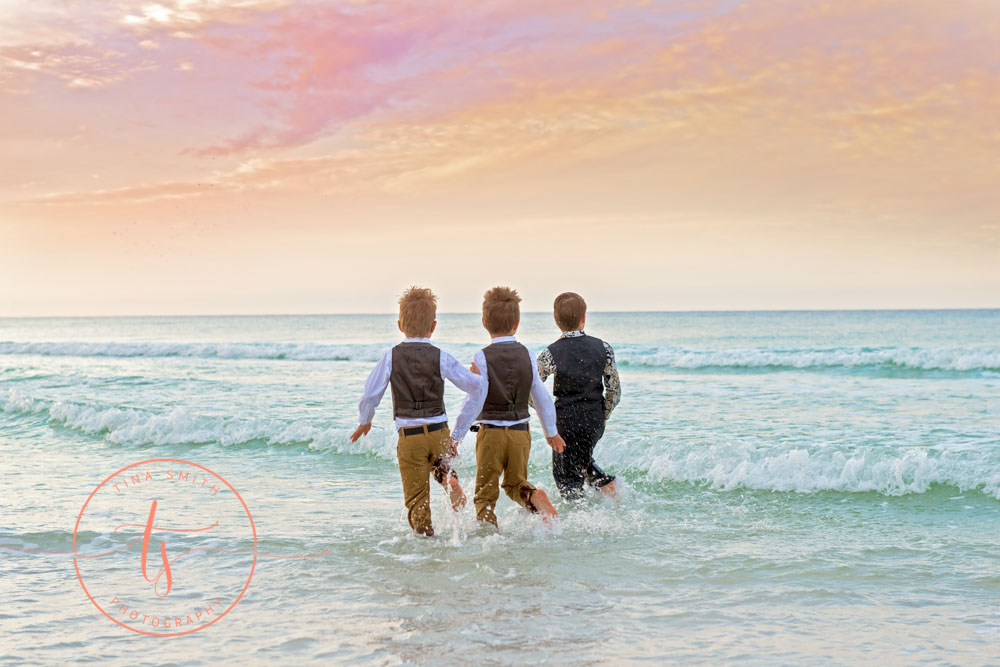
(586, 388)
(500, 409)
(416, 371)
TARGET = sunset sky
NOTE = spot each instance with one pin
(270, 156)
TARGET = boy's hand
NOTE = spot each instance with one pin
(362, 430)
(451, 451)
(556, 443)
(474, 368)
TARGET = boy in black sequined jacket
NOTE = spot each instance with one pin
(586, 390)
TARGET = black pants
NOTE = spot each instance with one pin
(581, 427)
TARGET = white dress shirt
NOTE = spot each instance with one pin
(540, 399)
(378, 380)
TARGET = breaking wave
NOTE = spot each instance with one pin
(886, 470)
(954, 359)
(132, 427)
(915, 358)
(760, 465)
(291, 351)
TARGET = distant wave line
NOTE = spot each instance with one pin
(939, 358)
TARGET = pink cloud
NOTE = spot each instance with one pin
(322, 67)
(316, 64)
(802, 90)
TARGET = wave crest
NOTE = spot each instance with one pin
(914, 358)
(132, 427)
(886, 470)
(290, 351)
(954, 359)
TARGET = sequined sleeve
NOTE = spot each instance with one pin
(612, 386)
(546, 366)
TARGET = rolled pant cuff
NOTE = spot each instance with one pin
(524, 493)
(601, 483)
(443, 471)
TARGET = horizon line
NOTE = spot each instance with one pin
(527, 312)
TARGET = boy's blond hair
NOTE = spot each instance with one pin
(500, 310)
(417, 312)
(569, 309)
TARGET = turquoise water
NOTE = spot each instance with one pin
(798, 488)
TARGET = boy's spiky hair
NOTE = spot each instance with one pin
(417, 312)
(501, 311)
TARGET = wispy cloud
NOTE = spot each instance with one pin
(859, 99)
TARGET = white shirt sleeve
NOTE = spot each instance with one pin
(474, 400)
(375, 387)
(544, 405)
(467, 381)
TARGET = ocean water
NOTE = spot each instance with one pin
(798, 488)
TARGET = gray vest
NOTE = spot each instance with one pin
(417, 385)
(508, 367)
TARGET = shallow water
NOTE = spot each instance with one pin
(799, 487)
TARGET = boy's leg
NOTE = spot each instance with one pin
(591, 471)
(515, 476)
(568, 465)
(444, 474)
(415, 455)
(600, 479)
(490, 460)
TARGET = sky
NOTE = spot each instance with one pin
(281, 156)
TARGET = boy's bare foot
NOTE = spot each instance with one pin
(610, 490)
(541, 502)
(456, 494)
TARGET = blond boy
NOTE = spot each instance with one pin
(416, 371)
(500, 408)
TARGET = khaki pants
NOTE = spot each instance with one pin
(501, 451)
(420, 456)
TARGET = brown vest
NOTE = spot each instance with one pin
(508, 368)
(417, 385)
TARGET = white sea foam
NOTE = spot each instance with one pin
(918, 358)
(131, 427)
(291, 351)
(886, 470)
(957, 359)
